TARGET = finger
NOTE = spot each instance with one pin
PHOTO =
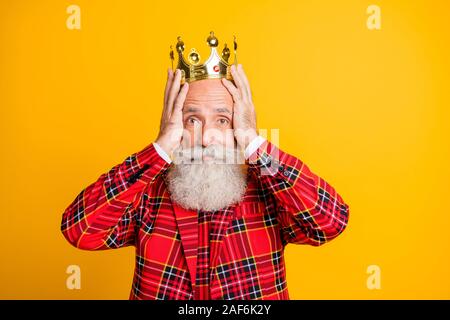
(168, 85)
(239, 83)
(245, 80)
(166, 111)
(173, 92)
(197, 138)
(235, 93)
(177, 113)
(186, 139)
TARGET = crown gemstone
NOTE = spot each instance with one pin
(194, 57)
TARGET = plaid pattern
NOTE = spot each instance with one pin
(233, 253)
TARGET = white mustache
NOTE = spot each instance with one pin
(217, 153)
(207, 186)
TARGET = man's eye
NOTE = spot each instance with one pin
(223, 121)
(191, 121)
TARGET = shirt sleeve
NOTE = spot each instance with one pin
(104, 214)
(309, 210)
(253, 146)
(162, 153)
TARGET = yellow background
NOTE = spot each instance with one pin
(367, 110)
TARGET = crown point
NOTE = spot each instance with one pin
(225, 53)
(171, 55)
(180, 44)
(212, 40)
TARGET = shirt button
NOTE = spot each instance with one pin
(286, 173)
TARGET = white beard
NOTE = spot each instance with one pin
(207, 185)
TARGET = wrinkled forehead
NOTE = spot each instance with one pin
(208, 93)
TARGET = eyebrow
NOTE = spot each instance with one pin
(217, 110)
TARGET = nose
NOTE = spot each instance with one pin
(210, 136)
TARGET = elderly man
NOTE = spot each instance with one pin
(210, 205)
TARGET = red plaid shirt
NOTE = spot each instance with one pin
(233, 253)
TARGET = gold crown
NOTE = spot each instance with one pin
(214, 68)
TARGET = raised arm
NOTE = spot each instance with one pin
(104, 214)
(310, 211)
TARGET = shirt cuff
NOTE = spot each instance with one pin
(162, 153)
(253, 146)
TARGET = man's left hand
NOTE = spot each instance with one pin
(244, 116)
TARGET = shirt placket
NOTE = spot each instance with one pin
(201, 290)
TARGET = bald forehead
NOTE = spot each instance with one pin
(208, 91)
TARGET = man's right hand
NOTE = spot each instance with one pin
(171, 126)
